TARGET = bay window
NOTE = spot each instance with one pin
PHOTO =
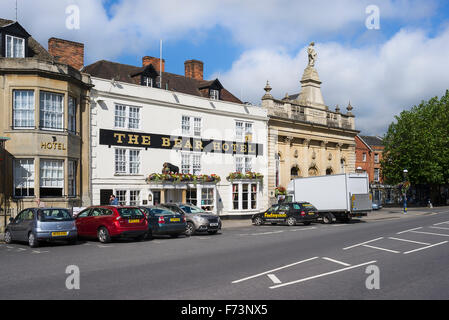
(71, 176)
(23, 109)
(51, 178)
(51, 110)
(72, 115)
(23, 177)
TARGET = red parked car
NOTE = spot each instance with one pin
(107, 222)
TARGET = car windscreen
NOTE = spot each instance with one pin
(130, 213)
(162, 212)
(191, 209)
(309, 207)
(48, 215)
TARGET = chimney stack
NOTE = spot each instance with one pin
(194, 69)
(67, 52)
(156, 62)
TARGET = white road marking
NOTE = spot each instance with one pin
(406, 240)
(336, 261)
(431, 233)
(101, 246)
(311, 228)
(442, 228)
(321, 275)
(37, 251)
(383, 249)
(437, 224)
(274, 278)
(21, 250)
(273, 270)
(409, 230)
(361, 244)
(433, 245)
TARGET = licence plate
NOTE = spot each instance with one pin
(59, 234)
(214, 224)
(311, 213)
(175, 220)
(134, 221)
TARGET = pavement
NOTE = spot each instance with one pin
(391, 257)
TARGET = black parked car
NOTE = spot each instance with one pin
(289, 213)
(163, 221)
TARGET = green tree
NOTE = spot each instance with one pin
(419, 141)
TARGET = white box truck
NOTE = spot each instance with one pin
(337, 197)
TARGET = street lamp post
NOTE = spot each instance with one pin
(404, 188)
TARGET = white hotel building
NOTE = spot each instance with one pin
(197, 125)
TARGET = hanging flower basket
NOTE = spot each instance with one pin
(280, 191)
(180, 177)
(245, 176)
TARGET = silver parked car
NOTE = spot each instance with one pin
(41, 224)
(198, 220)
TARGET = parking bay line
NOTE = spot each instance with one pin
(363, 243)
(383, 249)
(431, 233)
(336, 261)
(433, 245)
(437, 224)
(321, 275)
(273, 270)
(274, 278)
(409, 230)
(411, 241)
(441, 228)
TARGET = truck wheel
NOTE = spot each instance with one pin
(291, 221)
(328, 218)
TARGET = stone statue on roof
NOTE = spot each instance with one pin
(312, 54)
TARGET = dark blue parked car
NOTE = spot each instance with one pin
(41, 224)
(162, 221)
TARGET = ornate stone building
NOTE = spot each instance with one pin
(305, 137)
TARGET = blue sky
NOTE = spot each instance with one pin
(247, 42)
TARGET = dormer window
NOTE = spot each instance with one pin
(147, 81)
(15, 47)
(214, 94)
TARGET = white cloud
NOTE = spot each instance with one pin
(379, 81)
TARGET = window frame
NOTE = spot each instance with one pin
(31, 111)
(43, 178)
(42, 112)
(12, 46)
(30, 182)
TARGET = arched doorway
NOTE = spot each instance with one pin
(329, 171)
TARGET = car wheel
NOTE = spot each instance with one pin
(291, 221)
(258, 221)
(190, 229)
(149, 235)
(8, 237)
(212, 232)
(103, 235)
(327, 219)
(32, 241)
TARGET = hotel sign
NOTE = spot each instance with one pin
(157, 141)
